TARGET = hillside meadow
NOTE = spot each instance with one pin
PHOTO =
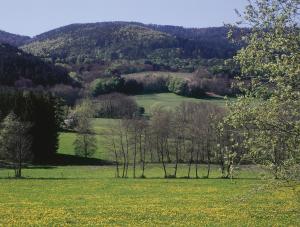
(102, 125)
(159, 74)
(170, 100)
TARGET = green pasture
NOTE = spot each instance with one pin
(91, 196)
(159, 73)
(101, 125)
(171, 100)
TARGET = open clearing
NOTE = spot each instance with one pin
(159, 73)
(101, 125)
(91, 196)
(170, 100)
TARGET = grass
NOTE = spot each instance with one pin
(159, 73)
(91, 196)
(101, 125)
(170, 100)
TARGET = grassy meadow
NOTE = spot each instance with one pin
(92, 196)
(101, 125)
(160, 73)
(170, 100)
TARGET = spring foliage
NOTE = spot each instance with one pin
(269, 110)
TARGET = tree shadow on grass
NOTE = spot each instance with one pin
(190, 179)
(40, 167)
(48, 178)
(62, 160)
(69, 160)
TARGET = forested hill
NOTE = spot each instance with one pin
(13, 39)
(210, 42)
(79, 43)
(18, 68)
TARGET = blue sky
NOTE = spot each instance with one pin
(32, 17)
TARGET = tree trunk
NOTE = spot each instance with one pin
(117, 159)
(177, 158)
(197, 159)
(124, 156)
(134, 155)
(142, 154)
(157, 149)
(162, 159)
(127, 155)
(191, 159)
(208, 159)
(167, 152)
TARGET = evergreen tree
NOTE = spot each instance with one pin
(43, 111)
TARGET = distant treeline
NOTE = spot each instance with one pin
(195, 86)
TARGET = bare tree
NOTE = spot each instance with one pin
(160, 126)
(121, 143)
(179, 133)
(15, 142)
(134, 133)
(143, 139)
(115, 105)
(199, 133)
(146, 145)
(85, 143)
(113, 146)
(189, 134)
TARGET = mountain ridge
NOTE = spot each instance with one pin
(129, 40)
(13, 39)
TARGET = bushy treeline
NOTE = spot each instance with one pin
(191, 134)
(196, 86)
(107, 85)
(86, 73)
(43, 112)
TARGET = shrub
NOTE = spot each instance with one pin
(106, 85)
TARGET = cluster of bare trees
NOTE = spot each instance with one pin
(192, 134)
(115, 105)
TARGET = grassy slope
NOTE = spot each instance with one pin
(101, 126)
(90, 196)
(168, 100)
(159, 73)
